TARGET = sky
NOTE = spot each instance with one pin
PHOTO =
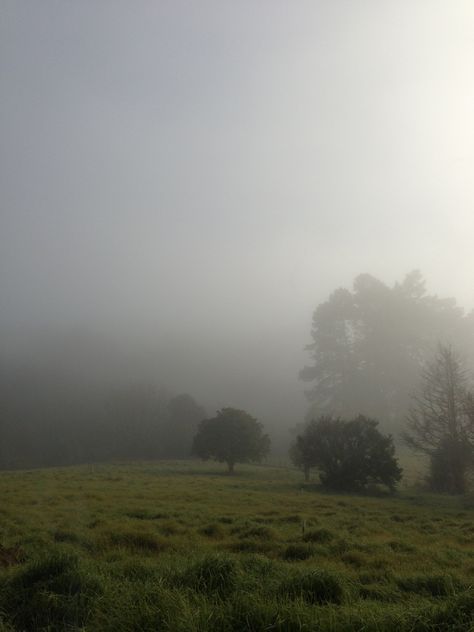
(192, 178)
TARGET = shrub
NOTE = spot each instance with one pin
(349, 455)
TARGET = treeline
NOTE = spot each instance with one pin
(47, 419)
(398, 355)
(369, 345)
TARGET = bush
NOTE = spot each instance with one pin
(350, 455)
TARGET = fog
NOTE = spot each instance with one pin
(183, 183)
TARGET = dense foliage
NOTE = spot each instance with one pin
(231, 437)
(348, 454)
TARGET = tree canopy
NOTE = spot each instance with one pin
(232, 436)
(369, 344)
(348, 454)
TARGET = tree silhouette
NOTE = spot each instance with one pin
(348, 454)
(231, 437)
(368, 345)
(440, 422)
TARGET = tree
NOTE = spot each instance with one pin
(368, 345)
(348, 454)
(440, 422)
(231, 437)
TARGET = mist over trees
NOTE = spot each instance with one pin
(48, 419)
(71, 400)
(440, 422)
(370, 343)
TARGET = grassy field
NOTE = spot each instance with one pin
(184, 547)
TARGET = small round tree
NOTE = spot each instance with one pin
(348, 454)
(231, 437)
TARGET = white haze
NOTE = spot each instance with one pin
(188, 180)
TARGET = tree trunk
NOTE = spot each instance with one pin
(306, 474)
(230, 465)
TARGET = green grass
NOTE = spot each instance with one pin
(185, 547)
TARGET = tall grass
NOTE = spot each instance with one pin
(181, 548)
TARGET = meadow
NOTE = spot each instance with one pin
(181, 546)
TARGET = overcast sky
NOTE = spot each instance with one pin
(209, 172)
